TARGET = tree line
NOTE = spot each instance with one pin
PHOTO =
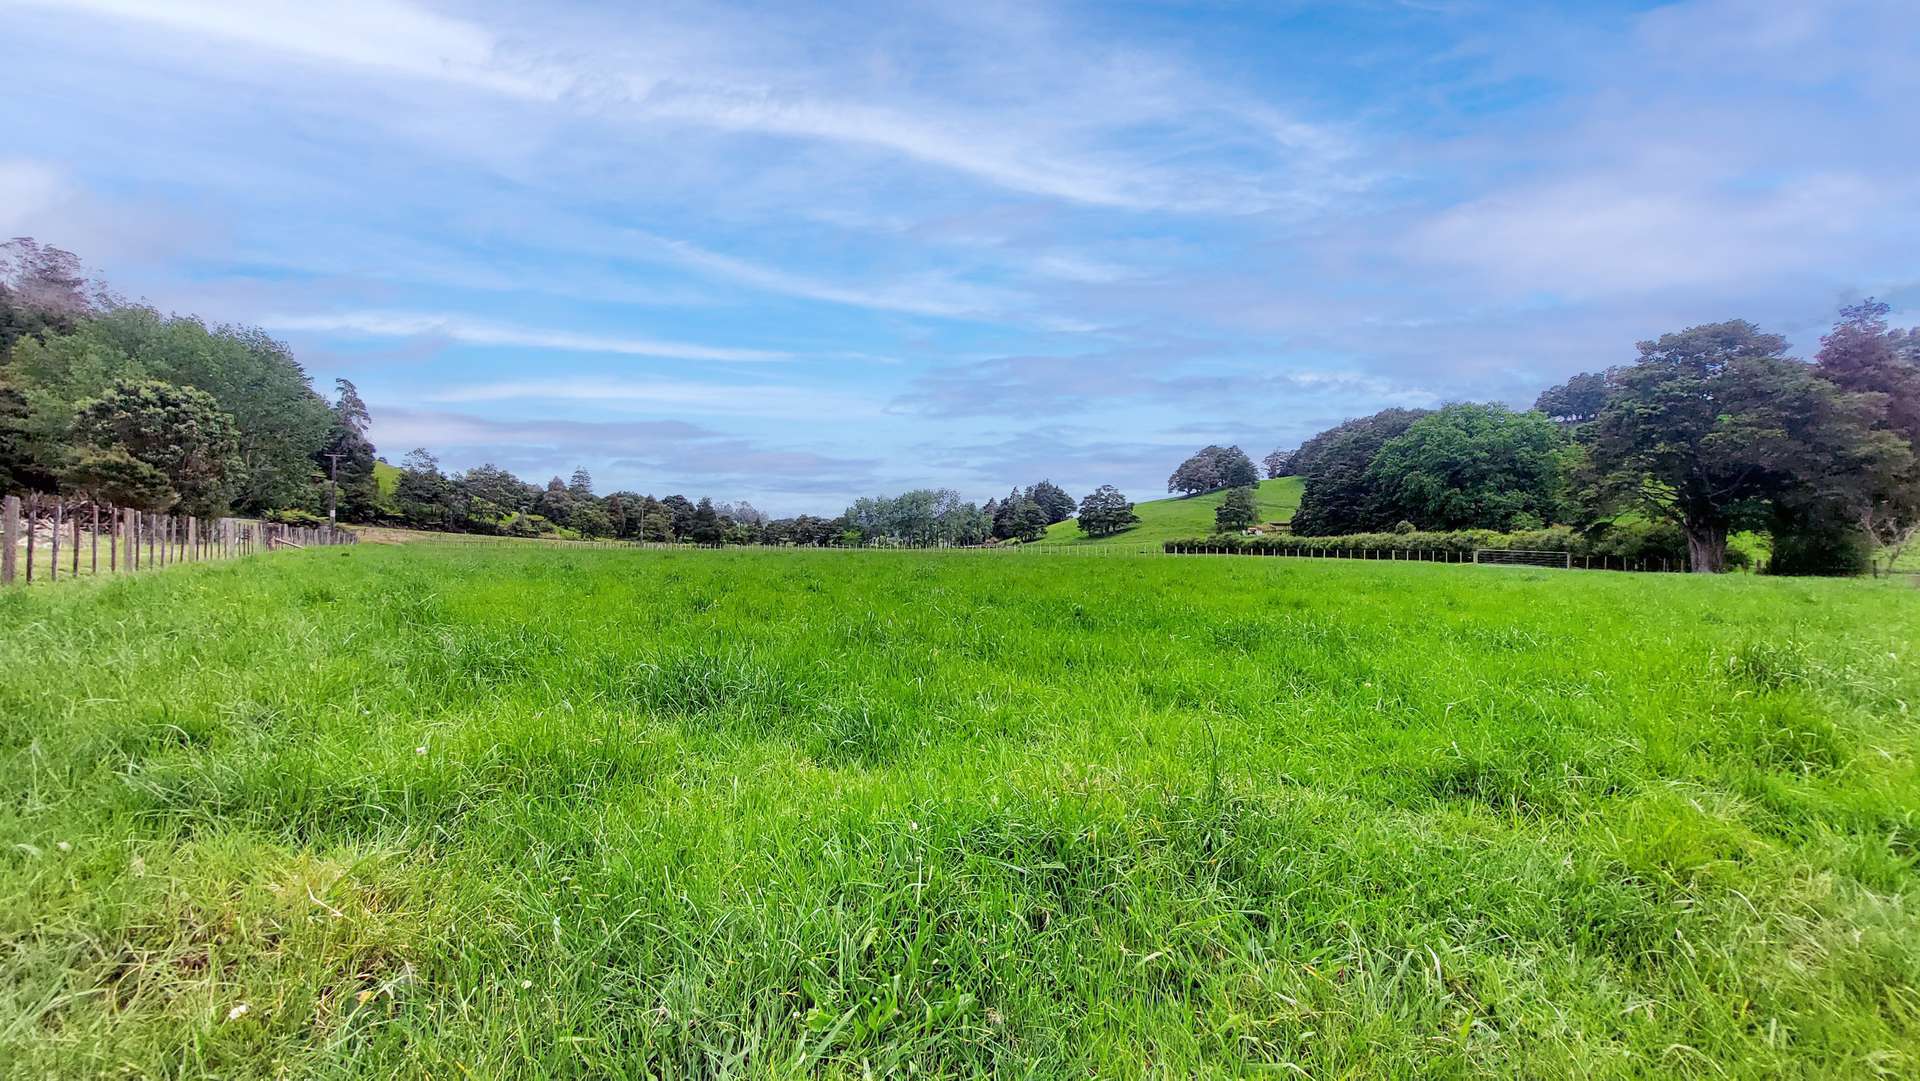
(106, 399)
(1709, 430)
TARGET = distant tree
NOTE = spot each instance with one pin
(1237, 511)
(499, 487)
(1715, 424)
(1028, 522)
(1882, 502)
(358, 494)
(590, 520)
(1200, 473)
(1105, 511)
(1213, 467)
(1470, 466)
(424, 496)
(1052, 500)
(1574, 402)
(1236, 469)
(1279, 463)
(178, 432)
(581, 486)
(680, 511)
(742, 512)
(1339, 497)
(656, 524)
(43, 292)
(706, 527)
(556, 503)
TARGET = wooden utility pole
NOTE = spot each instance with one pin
(333, 486)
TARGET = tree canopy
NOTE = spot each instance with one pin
(1105, 511)
(1212, 468)
(1470, 466)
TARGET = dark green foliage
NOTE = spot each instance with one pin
(1574, 402)
(1213, 467)
(590, 520)
(424, 496)
(1338, 497)
(498, 487)
(1714, 423)
(116, 477)
(1818, 544)
(1105, 511)
(1469, 466)
(1637, 542)
(1237, 511)
(706, 527)
(178, 432)
(679, 511)
(1881, 500)
(347, 457)
(1054, 503)
(1018, 518)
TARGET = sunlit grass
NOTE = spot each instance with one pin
(508, 810)
(1181, 517)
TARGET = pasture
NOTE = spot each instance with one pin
(1181, 517)
(505, 810)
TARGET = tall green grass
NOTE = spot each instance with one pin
(524, 812)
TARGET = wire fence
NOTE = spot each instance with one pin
(1559, 560)
(1652, 564)
(48, 537)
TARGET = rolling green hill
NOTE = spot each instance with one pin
(1183, 516)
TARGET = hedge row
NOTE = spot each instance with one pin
(1632, 541)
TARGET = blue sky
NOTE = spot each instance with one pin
(796, 254)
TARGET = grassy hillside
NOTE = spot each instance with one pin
(492, 811)
(1170, 519)
(385, 478)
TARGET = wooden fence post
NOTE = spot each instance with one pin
(94, 567)
(33, 519)
(10, 537)
(113, 540)
(193, 538)
(53, 565)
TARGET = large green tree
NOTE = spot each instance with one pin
(1714, 425)
(1339, 497)
(178, 433)
(1881, 501)
(1105, 511)
(1211, 468)
(1237, 510)
(1471, 466)
(1053, 501)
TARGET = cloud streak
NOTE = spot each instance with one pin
(470, 331)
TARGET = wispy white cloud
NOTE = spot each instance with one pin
(471, 331)
(670, 396)
(927, 294)
(1067, 141)
(381, 35)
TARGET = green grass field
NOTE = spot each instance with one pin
(1183, 517)
(497, 811)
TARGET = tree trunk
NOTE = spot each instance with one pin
(1707, 547)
